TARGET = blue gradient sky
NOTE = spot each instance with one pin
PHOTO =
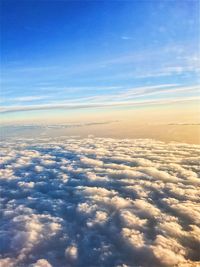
(65, 55)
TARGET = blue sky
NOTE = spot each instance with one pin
(74, 54)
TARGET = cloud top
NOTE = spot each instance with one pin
(99, 202)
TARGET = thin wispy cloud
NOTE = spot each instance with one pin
(90, 105)
(28, 98)
(126, 38)
(129, 97)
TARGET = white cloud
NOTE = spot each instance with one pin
(114, 202)
(41, 263)
(124, 37)
(172, 94)
(71, 253)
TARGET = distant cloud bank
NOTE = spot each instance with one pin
(96, 202)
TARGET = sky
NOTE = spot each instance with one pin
(66, 59)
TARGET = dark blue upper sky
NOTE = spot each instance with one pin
(72, 50)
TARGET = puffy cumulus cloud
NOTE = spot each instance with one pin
(41, 263)
(168, 251)
(88, 162)
(71, 253)
(69, 202)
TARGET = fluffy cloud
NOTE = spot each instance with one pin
(73, 202)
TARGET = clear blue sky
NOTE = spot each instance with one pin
(58, 54)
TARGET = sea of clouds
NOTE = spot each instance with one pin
(99, 202)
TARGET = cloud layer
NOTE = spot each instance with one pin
(99, 202)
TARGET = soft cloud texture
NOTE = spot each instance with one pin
(69, 202)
